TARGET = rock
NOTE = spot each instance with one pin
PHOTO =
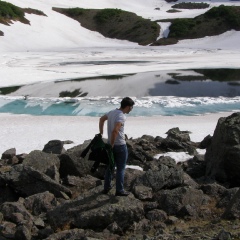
(71, 234)
(176, 140)
(74, 234)
(189, 182)
(80, 185)
(17, 213)
(9, 154)
(157, 215)
(97, 211)
(77, 150)
(54, 146)
(45, 232)
(22, 233)
(173, 201)
(138, 156)
(7, 230)
(1, 217)
(233, 209)
(130, 176)
(114, 228)
(223, 235)
(46, 163)
(226, 197)
(7, 194)
(205, 142)
(148, 206)
(215, 190)
(14, 160)
(40, 203)
(142, 192)
(165, 174)
(179, 135)
(73, 165)
(223, 154)
(195, 167)
(27, 181)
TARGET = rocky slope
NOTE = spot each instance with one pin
(52, 194)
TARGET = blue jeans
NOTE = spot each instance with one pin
(120, 153)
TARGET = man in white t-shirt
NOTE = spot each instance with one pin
(116, 138)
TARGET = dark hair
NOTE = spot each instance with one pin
(127, 101)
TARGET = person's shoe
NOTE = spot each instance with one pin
(122, 194)
(106, 191)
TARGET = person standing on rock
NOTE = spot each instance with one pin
(116, 138)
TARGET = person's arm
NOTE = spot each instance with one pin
(115, 133)
(101, 123)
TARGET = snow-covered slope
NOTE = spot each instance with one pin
(57, 32)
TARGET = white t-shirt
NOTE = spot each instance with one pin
(114, 117)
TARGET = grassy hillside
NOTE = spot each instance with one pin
(214, 22)
(10, 12)
(115, 23)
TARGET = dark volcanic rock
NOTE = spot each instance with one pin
(46, 163)
(17, 213)
(178, 201)
(233, 209)
(223, 154)
(40, 203)
(97, 211)
(54, 146)
(9, 154)
(163, 173)
(74, 165)
(26, 181)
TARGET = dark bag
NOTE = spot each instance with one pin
(101, 152)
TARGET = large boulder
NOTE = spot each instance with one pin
(46, 163)
(54, 146)
(162, 173)
(71, 164)
(17, 213)
(96, 211)
(233, 208)
(9, 154)
(177, 140)
(40, 203)
(27, 181)
(182, 201)
(223, 154)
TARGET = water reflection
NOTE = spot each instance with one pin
(180, 83)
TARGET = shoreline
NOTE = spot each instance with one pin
(27, 133)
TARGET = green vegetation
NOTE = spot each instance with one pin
(229, 14)
(230, 75)
(115, 23)
(8, 10)
(223, 74)
(181, 27)
(34, 11)
(106, 15)
(75, 93)
(74, 12)
(189, 78)
(173, 11)
(190, 5)
(214, 22)
(8, 90)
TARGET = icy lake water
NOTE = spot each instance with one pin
(178, 92)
